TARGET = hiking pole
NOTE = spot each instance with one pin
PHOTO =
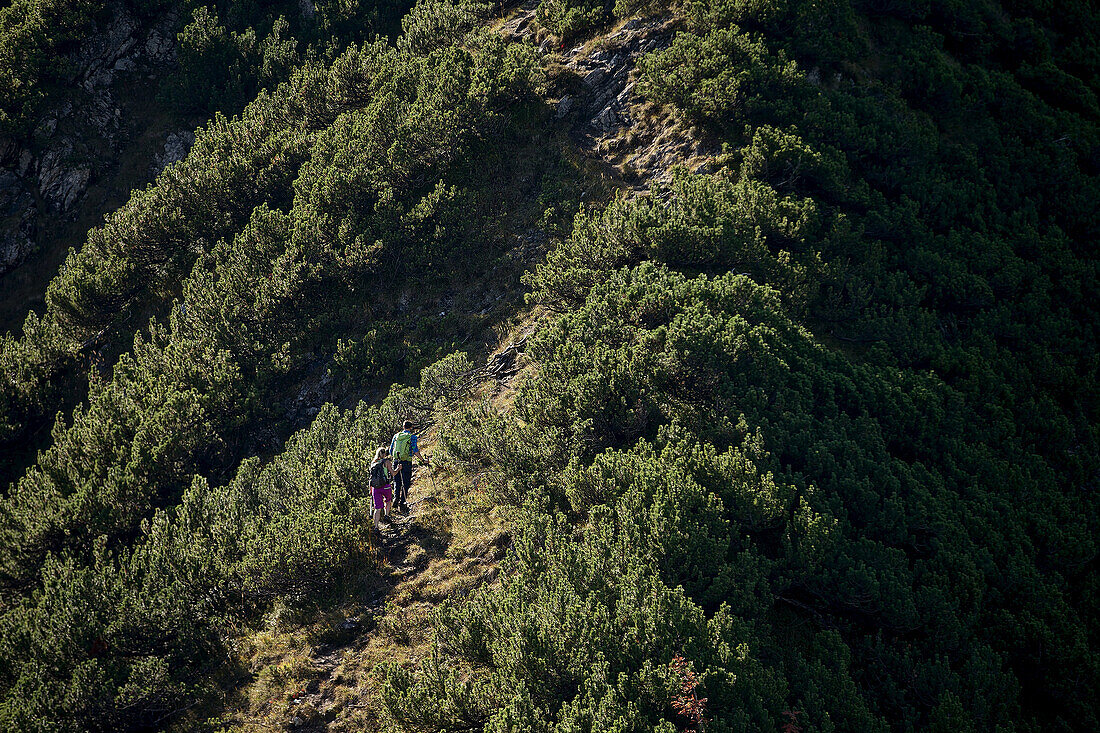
(431, 475)
(371, 529)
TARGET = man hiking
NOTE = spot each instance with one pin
(402, 449)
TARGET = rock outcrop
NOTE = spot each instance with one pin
(605, 113)
(176, 147)
(44, 177)
(17, 220)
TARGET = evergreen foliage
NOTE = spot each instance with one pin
(888, 532)
(227, 51)
(121, 638)
(172, 403)
(812, 436)
(862, 522)
(31, 34)
(266, 238)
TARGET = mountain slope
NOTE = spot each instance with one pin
(806, 431)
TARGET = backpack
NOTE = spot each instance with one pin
(402, 443)
(378, 475)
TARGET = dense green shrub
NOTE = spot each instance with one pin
(896, 527)
(128, 267)
(248, 318)
(244, 64)
(724, 76)
(433, 24)
(31, 34)
(142, 252)
(812, 436)
(265, 274)
(227, 51)
(823, 33)
(777, 484)
(136, 260)
(581, 634)
(697, 223)
(570, 21)
(339, 22)
(121, 639)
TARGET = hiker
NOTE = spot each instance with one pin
(403, 448)
(381, 482)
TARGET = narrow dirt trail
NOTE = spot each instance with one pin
(405, 549)
(448, 545)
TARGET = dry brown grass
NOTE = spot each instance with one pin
(305, 669)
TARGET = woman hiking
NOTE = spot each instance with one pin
(381, 481)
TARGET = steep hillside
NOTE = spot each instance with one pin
(797, 430)
(88, 143)
(98, 98)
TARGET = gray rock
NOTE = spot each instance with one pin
(59, 181)
(607, 121)
(9, 151)
(15, 246)
(602, 105)
(564, 105)
(11, 190)
(67, 188)
(82, 133)
(176, 147)
(595, 77)
(520, 26)
(154, 44)
(46, 128)
(17, 221)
